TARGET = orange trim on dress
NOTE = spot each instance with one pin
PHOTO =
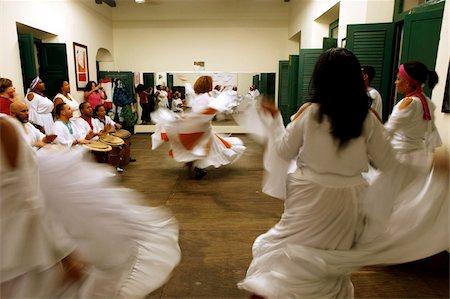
(226, 143)
(209, 111)
(190, 140)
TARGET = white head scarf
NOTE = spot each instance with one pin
(33, 84)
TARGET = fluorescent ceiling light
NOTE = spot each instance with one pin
(139, 1)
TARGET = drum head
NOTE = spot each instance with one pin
(121, 133)
(111, 140)
(98, 146)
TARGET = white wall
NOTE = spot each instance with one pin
(228, 46)
(442, 61)
(225, 46)
(71, 21)
(306, 17)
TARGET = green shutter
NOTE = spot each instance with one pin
(421, 36)
(373, 45)
(293, 83)
(149, 80)
(283, 90)
(328, 43)
(256, 80)
(170, 80)
(267, 84)
(26, 47)
(307, 61)
(52, 66)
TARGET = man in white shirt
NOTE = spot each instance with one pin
(377, 103)
(86, 124)
(68, 133)
(36, 138)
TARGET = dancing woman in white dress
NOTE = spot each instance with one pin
(56, 202)
(190, 134)
(327, 229)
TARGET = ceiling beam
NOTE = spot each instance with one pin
(111, 3)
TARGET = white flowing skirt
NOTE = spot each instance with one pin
(192, 139)
(132, 249)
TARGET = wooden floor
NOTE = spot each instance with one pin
(221, 215)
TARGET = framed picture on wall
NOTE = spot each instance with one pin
(80, 55)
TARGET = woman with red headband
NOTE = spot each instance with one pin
(411, 123)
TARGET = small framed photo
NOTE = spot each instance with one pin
(80, 55)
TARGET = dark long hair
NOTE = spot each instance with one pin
(338, 86)
(419, 72)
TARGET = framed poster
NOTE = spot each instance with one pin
(80, 55)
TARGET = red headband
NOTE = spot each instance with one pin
(408, 77)
(417, 92)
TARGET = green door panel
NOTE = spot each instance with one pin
(26, 48)
(283, 90)
(170, 80)
(149, 80)
(256, 80)
(267, 85)
(293, 84)
(421, 37)
(52, 66)
(307, 61)
(328, 43)
(373, 44)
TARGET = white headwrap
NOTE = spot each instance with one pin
(33, 84)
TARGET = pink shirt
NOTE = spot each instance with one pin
(95, 99)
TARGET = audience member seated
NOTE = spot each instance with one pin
(64, 96)
(7, 93)
(86, 124)
(101, 119)
(68, 133)
(36, 138)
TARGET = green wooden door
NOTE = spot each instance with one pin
(307, 61)
(328, 43)
(27, 60)
(421, 37)
(373, 44)
(170, 80)
(293, 84)
(283, 90)
(256, 80)
(267, 85)
(149, 80)
(52, 66)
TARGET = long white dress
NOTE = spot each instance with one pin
(40, 111)
(131, 249)
(31, 245)
(191, 136)
(334, 223)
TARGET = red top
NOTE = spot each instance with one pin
(4, 105)
(143, 97)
